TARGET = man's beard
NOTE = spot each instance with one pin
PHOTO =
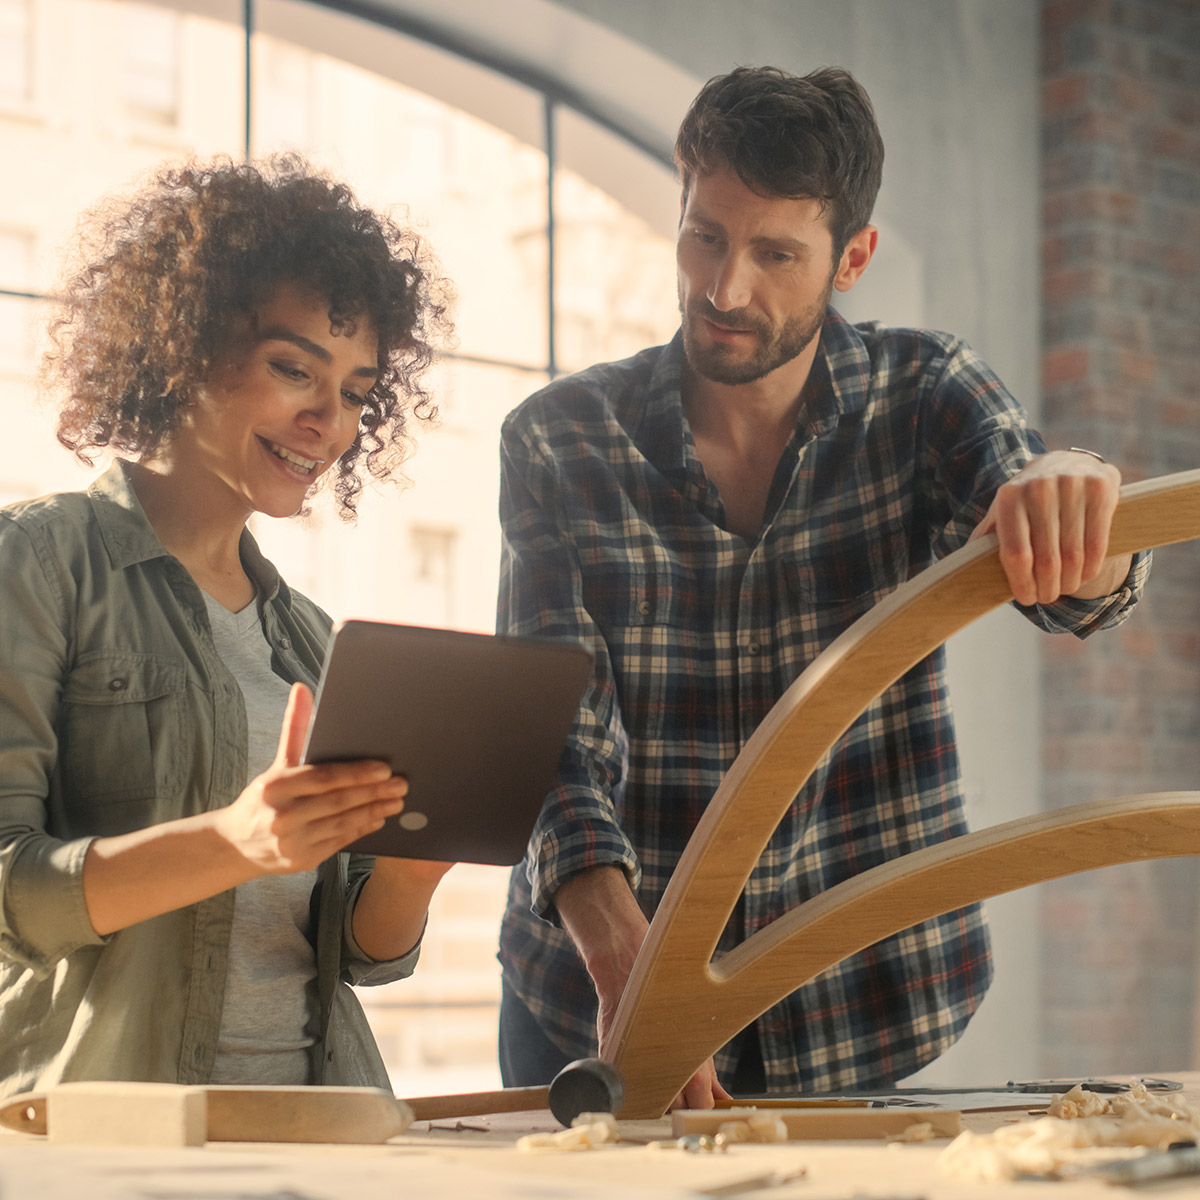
(723, 364)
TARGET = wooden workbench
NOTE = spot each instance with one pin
(476, 1159)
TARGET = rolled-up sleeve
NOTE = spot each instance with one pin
(1085, 617)
(976, 439)
(42, 912)
(358, 967)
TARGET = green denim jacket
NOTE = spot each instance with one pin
(115, 714)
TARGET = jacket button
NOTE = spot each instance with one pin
(754, 649)
(118, 685)
(285, 643)
(645, 607)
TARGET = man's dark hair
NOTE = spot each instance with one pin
(789, 135)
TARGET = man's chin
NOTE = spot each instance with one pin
(719, 366)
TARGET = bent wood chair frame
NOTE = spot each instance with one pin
(680, 1006)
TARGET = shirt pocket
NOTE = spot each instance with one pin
(122, 737)
(629, 602)
(846, 573)
(650, 618)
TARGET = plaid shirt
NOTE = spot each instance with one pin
(613, 534)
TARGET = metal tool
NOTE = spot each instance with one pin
(1181, 1159)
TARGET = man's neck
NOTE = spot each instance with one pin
(749, 413)
(741, 431)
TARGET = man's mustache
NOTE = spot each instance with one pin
(735, 318)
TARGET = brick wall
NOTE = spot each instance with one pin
(1121, 375)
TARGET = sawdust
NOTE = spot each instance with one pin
(1083, 1130)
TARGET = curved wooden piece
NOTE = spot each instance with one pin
(677, 1009)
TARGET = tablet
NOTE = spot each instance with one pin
(475, 722)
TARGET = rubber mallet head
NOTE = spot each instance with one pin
(586, 1085)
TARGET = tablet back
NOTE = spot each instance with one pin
(475, 722)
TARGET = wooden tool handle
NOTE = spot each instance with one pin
(356, 1115)
(478, 1104)
(25, 1114)
(226, 1111)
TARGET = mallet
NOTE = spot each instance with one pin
(585, 1085)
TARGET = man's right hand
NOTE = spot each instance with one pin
(602, 917)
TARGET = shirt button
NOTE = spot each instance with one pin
(118, 685)
(645, 607)
(753, 648)
(285, 643)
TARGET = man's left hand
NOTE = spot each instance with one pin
(1052, 520)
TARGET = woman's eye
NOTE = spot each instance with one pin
(354, 398)
(288, 371)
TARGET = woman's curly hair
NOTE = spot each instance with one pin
(170, 274)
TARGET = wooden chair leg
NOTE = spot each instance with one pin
(678, 1007)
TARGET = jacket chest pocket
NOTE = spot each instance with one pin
(121, 737)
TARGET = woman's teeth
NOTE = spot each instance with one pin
(307, 465)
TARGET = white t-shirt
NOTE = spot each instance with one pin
(268, 1021)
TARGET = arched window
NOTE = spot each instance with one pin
(556, 230)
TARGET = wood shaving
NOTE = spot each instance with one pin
(756, 1127)
(587, 1131)
(1083, 1132)
(734, 1132)
(766, 1128)
(1068, 1106)
(920, 1131)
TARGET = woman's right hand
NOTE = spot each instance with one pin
(291, 818)
(294, 816)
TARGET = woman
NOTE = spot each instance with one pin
(173, 903)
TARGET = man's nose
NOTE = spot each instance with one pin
(730, 287)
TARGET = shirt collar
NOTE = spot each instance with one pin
(842, 367)
(661, 431)
(845, 364)
(130, 539)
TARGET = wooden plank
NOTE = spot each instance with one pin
(347, 1115)
(816, 1124)
(678, 1008)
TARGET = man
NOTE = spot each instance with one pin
(710, 515)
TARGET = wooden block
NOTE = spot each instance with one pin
(126, 1114)
(815, 1124)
